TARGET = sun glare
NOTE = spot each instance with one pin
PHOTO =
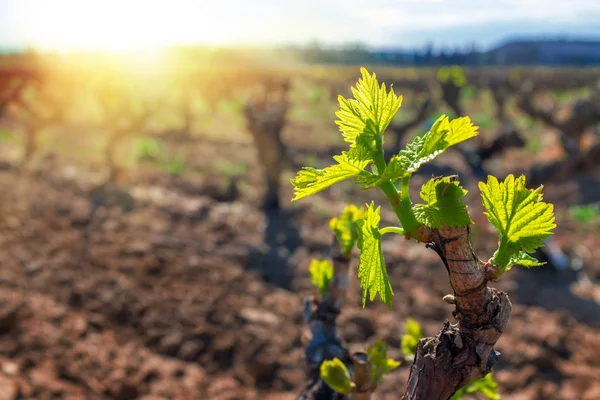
(117, 25)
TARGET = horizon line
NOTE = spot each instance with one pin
(541, 37)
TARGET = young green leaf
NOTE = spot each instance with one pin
(525, 260)
(310, 180)
(454, 74)
(368, 181)
(443, 204)
(443, 134)
(321, 273)
(336, 375)
(410, 340)
(345, 227)
(367, 115)
(380, 364)
(521, 218)
(371, 268)
(487, 386)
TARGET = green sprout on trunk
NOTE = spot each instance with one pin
(522, 219)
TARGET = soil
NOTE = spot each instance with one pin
(198, 294)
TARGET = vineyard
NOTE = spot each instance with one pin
(149, 247)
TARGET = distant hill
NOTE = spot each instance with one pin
(513, 52)
(546, 52)
(559, 52)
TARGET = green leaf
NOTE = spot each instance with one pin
(521, 218)
(367, 181)
(371, 268)
(366, 116)
(380, 364)
(487, 386)
(345, 227)
(321, 273)
(443, 204)
(443, 134)
(336, 375)
(410, 340)
(461, 129)
(310, 180)
(454, 74)
(525, 260)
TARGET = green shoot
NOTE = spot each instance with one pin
(454, 74)
(380, 364)
(321, 273)
(487, 386)
(410, 340)
(362, 121)
(345, 227)
(521, 218)
(336, 375)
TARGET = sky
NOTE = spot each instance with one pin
(133, 24)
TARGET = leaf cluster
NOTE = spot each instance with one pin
(519, 214)
(335, 374)
(321, 274)
(454, 75)
(345, 227)
(380, 363)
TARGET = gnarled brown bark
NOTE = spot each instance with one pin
(465, 351)
(443, 363)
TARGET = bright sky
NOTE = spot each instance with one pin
(129, 24)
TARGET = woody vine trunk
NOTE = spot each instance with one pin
(465, 351)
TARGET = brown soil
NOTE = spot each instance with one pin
(187, 297)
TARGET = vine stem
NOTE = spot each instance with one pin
(406, 189)
(402, 206)
(392, 229)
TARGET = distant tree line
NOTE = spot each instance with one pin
(555, 53)
(513, 53)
